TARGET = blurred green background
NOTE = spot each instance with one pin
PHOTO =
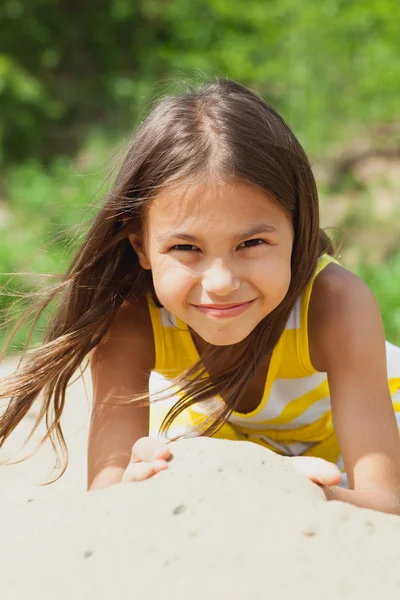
(77, 77)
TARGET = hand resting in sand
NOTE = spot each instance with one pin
(149, 456)
(317, 469)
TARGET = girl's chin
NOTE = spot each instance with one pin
(222, 339)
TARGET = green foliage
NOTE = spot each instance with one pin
(47, 212)
(66, 66)
(331, 67)
(384, 282)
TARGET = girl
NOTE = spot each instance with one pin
(206, 265)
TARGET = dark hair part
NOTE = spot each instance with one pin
(221, 131)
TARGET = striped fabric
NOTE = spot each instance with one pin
(294, 416)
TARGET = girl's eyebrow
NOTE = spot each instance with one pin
(257, 229)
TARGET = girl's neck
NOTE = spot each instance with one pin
(254, 392)
(201, 345)
(204, 347)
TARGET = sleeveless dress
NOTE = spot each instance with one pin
(294, 416)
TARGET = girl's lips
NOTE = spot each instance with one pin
(223, 310)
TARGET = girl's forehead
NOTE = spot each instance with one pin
(228, 201)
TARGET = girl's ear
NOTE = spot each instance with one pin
(137, 245)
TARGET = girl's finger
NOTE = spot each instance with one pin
(140, 471)
(148, 449)
(317, 470)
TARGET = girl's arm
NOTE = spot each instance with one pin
(120, 367)
(347, 342)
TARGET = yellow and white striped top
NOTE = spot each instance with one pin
(294, 416)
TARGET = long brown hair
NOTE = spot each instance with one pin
(222, 130)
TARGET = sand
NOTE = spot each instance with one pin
(226, 520)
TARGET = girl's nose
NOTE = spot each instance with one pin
(219, 279)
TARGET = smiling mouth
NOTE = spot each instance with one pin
(224, 310)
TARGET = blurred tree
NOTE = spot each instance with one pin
(65, 65)
(331, 67)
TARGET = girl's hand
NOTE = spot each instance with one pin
(318, 470)
(149, 456)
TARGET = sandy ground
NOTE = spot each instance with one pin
(226, 520)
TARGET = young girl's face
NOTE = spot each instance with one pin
(219, 255)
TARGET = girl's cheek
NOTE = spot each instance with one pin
(173, 283)
(274, 283)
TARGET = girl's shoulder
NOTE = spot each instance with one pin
(335, 289)
(341, 304)
(130, 334)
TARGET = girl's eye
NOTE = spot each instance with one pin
(184, 247)
(251, 243)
